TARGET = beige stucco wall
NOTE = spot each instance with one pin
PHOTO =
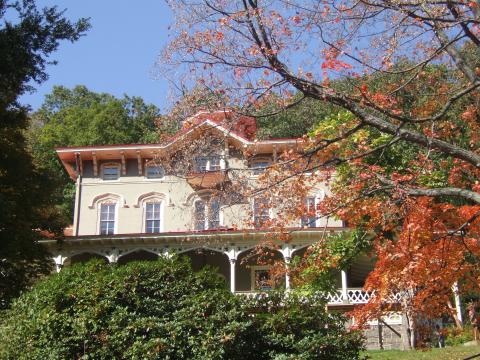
(177, 202)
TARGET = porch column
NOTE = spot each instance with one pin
(344, 286)
(232, 275)
(287, 274)
(287, 251)
(458, 302)
(232, 254)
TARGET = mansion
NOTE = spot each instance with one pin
(130, 205)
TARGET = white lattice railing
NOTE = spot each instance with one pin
(335, 298)
(357, 296)
(354, 296)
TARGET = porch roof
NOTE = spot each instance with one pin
(222, 236)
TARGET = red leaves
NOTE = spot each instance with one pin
(332, 62)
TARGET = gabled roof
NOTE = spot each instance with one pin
(240, 132)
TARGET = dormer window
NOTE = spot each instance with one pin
(259, 166)
(207, 214)
(207, 163)
(110, 171)
(154, 171)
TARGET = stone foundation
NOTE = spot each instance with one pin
(384, 337)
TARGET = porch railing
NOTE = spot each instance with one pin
(353, 296)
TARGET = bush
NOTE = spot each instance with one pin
(457, 336)
(296, 326)
(162, 310)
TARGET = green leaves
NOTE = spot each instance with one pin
(163, 310)
(79, 117)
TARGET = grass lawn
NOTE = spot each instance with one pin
(449, 353)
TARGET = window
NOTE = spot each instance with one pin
(207, 214)
(310, 217)
(311, 203)
(259, 166)
(214, 162)
(261, 212)
(207, 163)
(152, 217)
(107, 219)
(154, 171)
(110, 172)
(261, 278)
(200, 215)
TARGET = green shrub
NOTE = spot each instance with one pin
(296, 326)
(163, 310)
(143, 310)
(457, 336)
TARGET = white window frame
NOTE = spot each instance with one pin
(206, 214)
(151, 165)
(99, 216)
(253, 269)
(144, 207)
(208, 163)
(110, 165)
(270, 211)
(318, 196)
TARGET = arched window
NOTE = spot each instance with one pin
(153, 215)
(152, 204)
(108, 216)
(206, 214)
(107, 212)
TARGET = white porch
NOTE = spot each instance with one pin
(232, 253)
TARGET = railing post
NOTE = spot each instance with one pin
(344, 286)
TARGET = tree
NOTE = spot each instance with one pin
(163, 310)
(28, 36)
(80, 117)
(409, 84)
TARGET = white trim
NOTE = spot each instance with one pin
(107, 196)
(150, 195)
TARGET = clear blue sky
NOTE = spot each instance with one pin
(117, 55)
